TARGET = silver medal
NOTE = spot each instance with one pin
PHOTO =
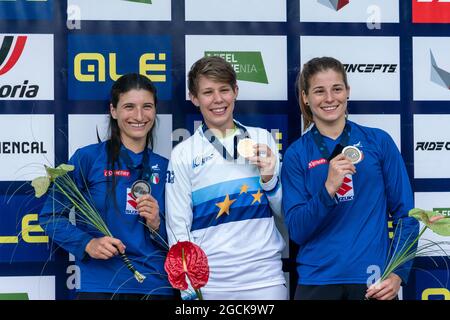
(353, 153)
(140, 188)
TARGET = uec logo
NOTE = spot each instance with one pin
(95, 66)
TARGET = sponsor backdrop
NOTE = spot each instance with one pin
(58, 60)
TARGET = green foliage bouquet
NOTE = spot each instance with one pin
(432, 220)
(85, 212)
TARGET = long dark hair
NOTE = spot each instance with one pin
(127, 82)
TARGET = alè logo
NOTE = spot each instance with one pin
(432, 146)
(10, 53)
(431, 11)
(370, 67)
(96, 66)
(439, 75)
(28, 233)
(334, 4)
(249, 65)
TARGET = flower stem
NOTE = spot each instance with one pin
(199, 294)
(70, 191)
(397, 260)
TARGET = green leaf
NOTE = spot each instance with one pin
(66, 167)
(61, 170)
(40, 186)
(440, 227)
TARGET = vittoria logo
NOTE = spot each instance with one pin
(19, 91)
(431, 11)
(432, 145)
(371, 67)
(335, 4)
(26, 67)
(10, 53)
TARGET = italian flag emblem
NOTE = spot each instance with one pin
(154, 178)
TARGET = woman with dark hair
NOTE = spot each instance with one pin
(341, 181)
(105, 173)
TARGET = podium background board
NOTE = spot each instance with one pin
(59, 58)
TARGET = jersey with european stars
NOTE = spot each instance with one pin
(146, 252)
(223, 207)
(343, 239)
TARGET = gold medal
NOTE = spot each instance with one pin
(245, 148)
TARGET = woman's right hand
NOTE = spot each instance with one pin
(339, 167)
(104, 248)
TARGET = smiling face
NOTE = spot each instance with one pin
(327, 98)
(135, 114)
(216, 103)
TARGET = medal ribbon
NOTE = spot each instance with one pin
(320, 142)
(143, 168)
(219, 146)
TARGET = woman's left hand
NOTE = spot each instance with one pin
(148, 208)
(386, 290)
(265, 160)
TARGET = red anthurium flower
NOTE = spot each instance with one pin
(187, 259)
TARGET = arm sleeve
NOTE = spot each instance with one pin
(399, 202)
(272, 187)
(55, 221)
(179, 213)
(304, 213)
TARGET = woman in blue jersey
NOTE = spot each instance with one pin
(336, 203)
(105, 172)
(224, 200)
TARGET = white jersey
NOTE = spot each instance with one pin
(223, 206)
